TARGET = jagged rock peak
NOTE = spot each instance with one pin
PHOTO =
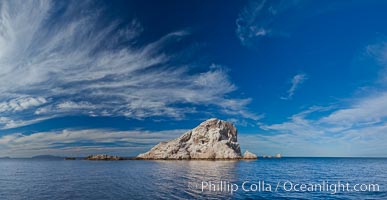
(212, 139)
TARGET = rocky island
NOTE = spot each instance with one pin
(213, 139)
(249, 155)
(103, 157)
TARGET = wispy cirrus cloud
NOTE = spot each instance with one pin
(64, 59)
(21, 103)
(379, 52)
(246, 22)
(257, 20)
(354, 127)
(296, 81)
(348, 131)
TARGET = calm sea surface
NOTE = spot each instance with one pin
(135, 179)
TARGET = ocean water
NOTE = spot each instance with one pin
(137, 179)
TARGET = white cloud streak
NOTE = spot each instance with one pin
(8, 123)
(370, 110)
(61, 59)
(297, 80)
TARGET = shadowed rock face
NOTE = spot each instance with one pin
(212, 139)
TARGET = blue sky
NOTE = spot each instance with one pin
(301, 78)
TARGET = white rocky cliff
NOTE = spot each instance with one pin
(212, 139)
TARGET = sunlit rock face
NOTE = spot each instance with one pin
(212, 139)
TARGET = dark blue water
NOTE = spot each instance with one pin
(50, 179)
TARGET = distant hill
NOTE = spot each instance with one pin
(47, 157)
(7, 157)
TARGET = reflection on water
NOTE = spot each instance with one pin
(34, 179)
(177, 177)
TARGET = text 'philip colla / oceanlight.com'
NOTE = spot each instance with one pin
(331, 187)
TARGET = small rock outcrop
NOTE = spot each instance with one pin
(212, 139)
(249, 155)
(103, 157)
